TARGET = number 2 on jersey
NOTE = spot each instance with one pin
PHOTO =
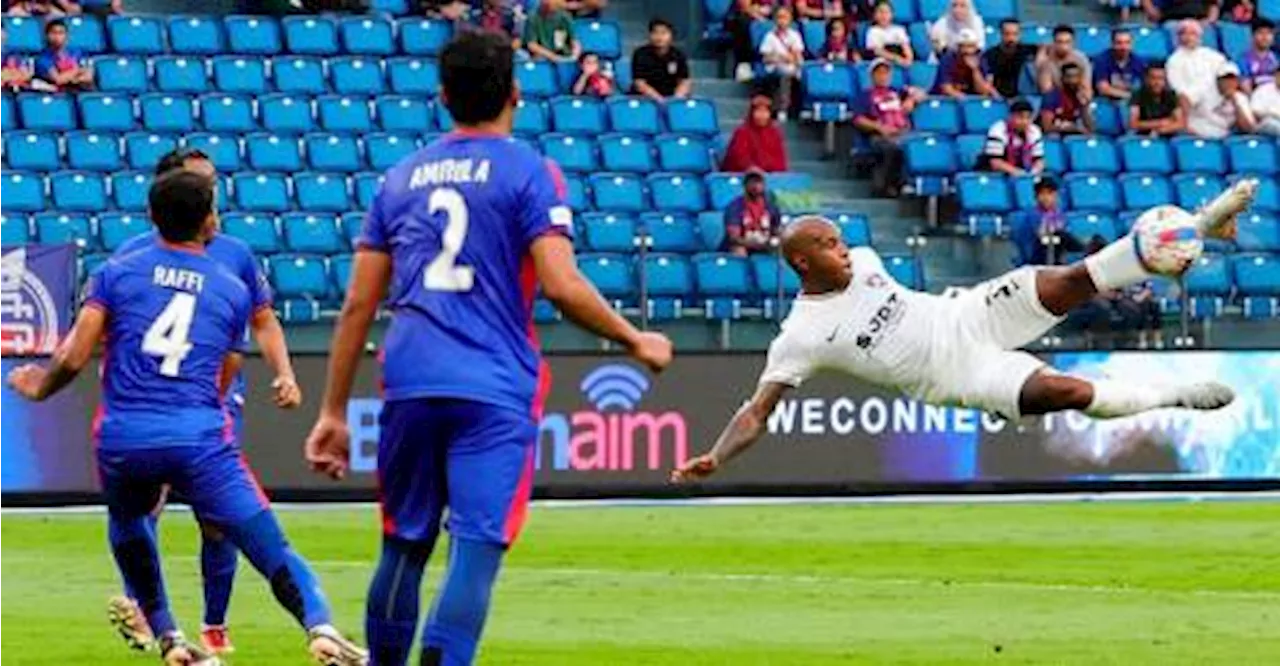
(168, 335)
(444, 273)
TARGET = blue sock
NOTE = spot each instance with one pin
(133, 543)
(293, 584)
(462, 604)
(391, 613)
(218, 558)
(153, 521)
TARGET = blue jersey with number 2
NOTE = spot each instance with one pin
(458, 218)
(172, 318)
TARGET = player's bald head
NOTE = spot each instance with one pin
(802, 236)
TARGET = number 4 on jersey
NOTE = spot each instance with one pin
(168, 335)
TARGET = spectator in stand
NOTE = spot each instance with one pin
(836, 48)
(757, 143)
(102, 8)
(1139, 310)
(1014, 146)
(1039, 235)
(585, 8)
(59, 65)
(1050, 60)
(1154, 109)
(660, 70)
(886, 40)
(960, 71)
(1004, 63)
(752, 220)
(1177, 10)
(738, 23)
(884, 115)
(1193, 68)
(1226, 109)
(945, 32)
(1066, 110)
(548, 33)
(820, 10)
(1239, 11)
(448, 10)
(500, 17)
(1117, 73)
(592, 79)
(1265, 102)
(783, 52)
(16, 72)
(1258, 65)
(46, 9)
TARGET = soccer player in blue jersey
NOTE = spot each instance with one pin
(217, 555)
(173, 320)
(458, 240)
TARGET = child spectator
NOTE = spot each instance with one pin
(836, 48)
(59, 65)
(1117, 73)
(945, 32)
(17, 72)
(757, 143)
(1193, 68)
(1039, 235)
(738, 23)
(960, 71)
(1066, 110)
(548, 34)
(1050, 60)
(1154, 109)
(752, 220)
(1239, 11)
(660, 69)
(1258, 65)
(783, 52)
(1226, 109)
(592, 79)
(1004, 63)
(884, 115)
(1014, 146)
(888, 41)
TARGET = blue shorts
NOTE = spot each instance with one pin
(472, 457)
(215, 479)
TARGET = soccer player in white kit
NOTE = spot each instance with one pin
(852, 317)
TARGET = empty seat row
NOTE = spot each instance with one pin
(629, 154)
(995, 193)
(680, 233)
(665, 192)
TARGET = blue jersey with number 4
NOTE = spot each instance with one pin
(458, 218)
(172, 318)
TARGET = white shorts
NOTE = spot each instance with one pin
(981, 367)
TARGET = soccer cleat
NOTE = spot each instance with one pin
(1216, 219)
(216, 640)
(176, 650)
(126, 617)
(1203, 396)
(330, 648)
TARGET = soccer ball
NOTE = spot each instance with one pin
(1167, 240)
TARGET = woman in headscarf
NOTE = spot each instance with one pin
(758, 142)
(945, 32)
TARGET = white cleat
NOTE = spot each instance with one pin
(331, 648)
(1203, 396)
(1216, 218)
(127, 619)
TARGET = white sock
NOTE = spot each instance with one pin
(1113, 398)
(1116, 266)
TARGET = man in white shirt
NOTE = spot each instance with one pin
(1265, 103)
(1192, 68)
(851, 317)
(1224, 109)
(783, 52)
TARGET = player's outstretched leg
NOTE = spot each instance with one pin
(218, 559)
(123, 611)
(391, 612)
(1047, 391)
(462, 604)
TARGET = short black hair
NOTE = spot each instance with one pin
(1263, 23)
(179, 203)
(1021, 106)
(477, 74)
(661, 22)
(1010, 21)
(1070, 67)
(1063, 27)
(177, 159)
(587, 54)
(55, 23)
(1154, 64)
(1046, 183)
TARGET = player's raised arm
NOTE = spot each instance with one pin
(37, 383)
(743, 431)
(578, 299)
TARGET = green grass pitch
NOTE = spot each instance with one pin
(1162, 583)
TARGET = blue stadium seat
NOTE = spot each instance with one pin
(537, 79)
(1198, 155)
(922, 75)
(252, 35)
(724, 281)
(578, 115)
(240, 74)
(980, 114)
(788, 181)
(14, 230)
(1258, 232)
(921, 44)
(609, 232)
(44, 112)
(993, 11)
(531, 119)
(32, 151)
(1145, 154)
(571, 153)
(723, 188)
(223, 150)
(196, 35)
(180, 74)
(61, 228)
(827, 82)
(299, 74)
(121, 73)
(1235, 39)
(78, 191)
(1257, 274)
(340, 268)
(136, 34)
(352, 226)
(1109, 117)
(1055, 153)
(356, 75)
(611, 274)
(905, 269)
(106, 112)
(622, 75)
(576, 193)
(1085, 225)
(671, 233)
(267, 192)
(766, 268)
(260, 232)
(1145, 190)
(404, 114)
(116, 228)
(8, 113)
(312, 233)
(414, 76)
(1268, 197)
(635, 115)
(129, 189)
(618, 192)
(677, 192)
(1196, 189)
(1092, 154)
(688, 154)
(630, 154)
(1097, 192)
(692, 116)
(322, 192)
(711, 229)
(367, 35)
(1150, 43)
(22, 192)
(299, 276)
(144, 150)
(929, 156)
(1252, 154)
(1093, 40)
(855, 228)
(424, 36)
(669, 279)
(384, 150)
(600, 37)
(1209, 276)
(23, 34)
(366, 186)
(266, 151)
(343, 114)
(969, 148)
(984, 193)
(937, 114)
(311, 35)
(221, 112)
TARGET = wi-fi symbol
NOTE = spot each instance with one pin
(615, 385)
